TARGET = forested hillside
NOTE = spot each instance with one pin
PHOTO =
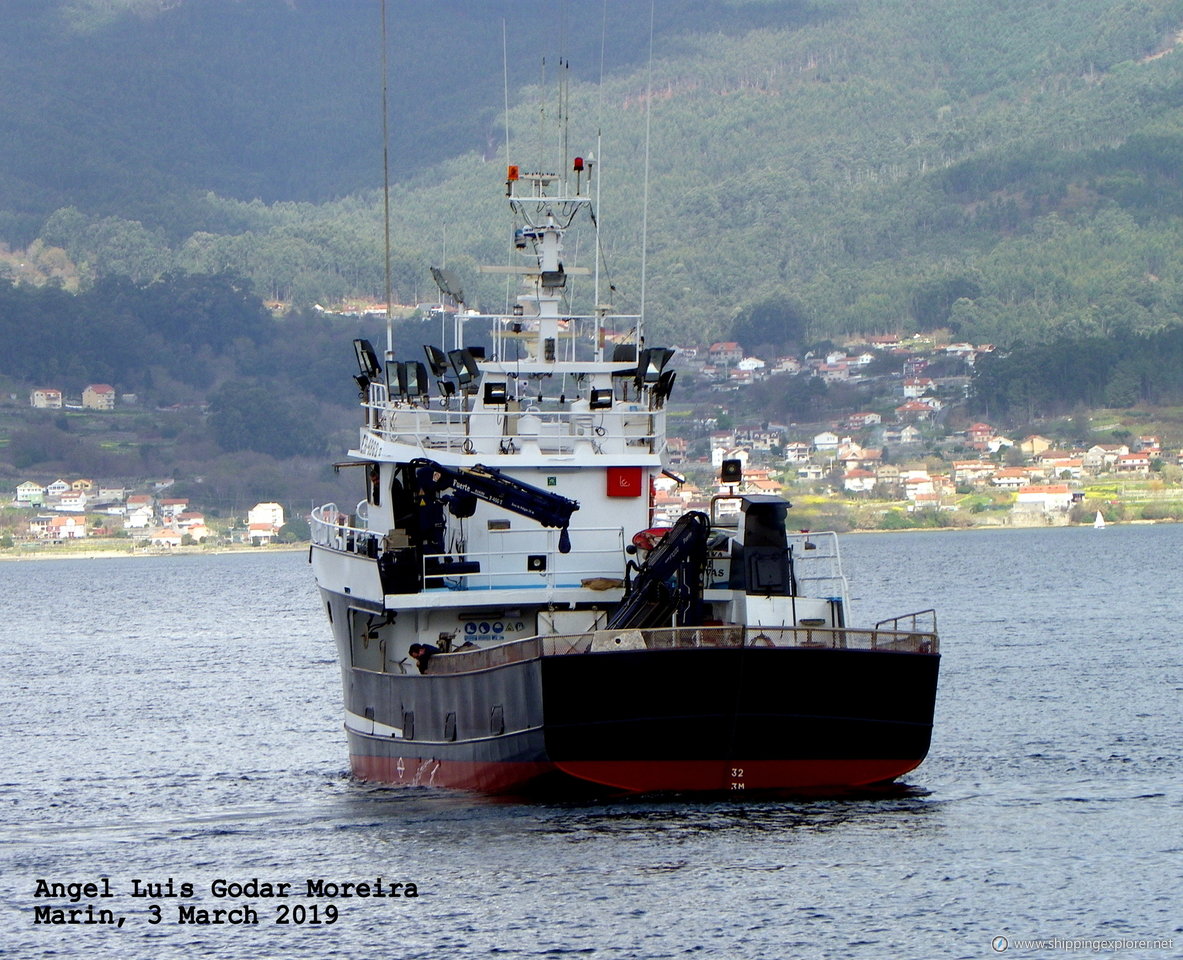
(1009, 169)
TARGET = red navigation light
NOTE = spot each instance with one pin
(512, 173)
(578, 165)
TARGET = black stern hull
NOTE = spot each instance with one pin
(785, 720)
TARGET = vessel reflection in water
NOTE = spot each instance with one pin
(508, 620)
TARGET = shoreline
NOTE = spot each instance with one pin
(14, 554)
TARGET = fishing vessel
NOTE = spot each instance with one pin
(510, 620)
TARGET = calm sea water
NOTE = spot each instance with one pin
(179, 718)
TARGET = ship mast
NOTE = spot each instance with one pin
(386, 194)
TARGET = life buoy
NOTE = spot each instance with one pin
(648, 539)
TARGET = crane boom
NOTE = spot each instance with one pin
(490, 485)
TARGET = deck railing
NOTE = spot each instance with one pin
(551, 428)
(924, 621)
(682, 638)
(339, 531)
(817, 565)
(599, 553)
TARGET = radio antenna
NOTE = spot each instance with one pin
(645, 190)
(386, 195)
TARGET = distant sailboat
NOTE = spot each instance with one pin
(1099, 522)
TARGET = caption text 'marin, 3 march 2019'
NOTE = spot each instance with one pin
(307, 902)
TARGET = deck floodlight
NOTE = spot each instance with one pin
(367, 359)
(665, 385)
(436, 360)
(464, 364)
(418, 385)
(650, 364)
(731, 471)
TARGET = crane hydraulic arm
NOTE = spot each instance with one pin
(670, 580)
(469, 484)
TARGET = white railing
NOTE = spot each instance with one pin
(549, 427)
(339, 531)
(597, 552)
(817, 565)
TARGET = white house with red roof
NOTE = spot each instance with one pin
(1133, 463)
(66, 528)
(979, 433)
(1011, 478)
(725, 352)
(797, 451)
(261, 534)
(833, 372)
(923, 501)
(914, 410)
(866, 418)
(165, 537)
(1057, 466)
(171, 509)
(140, 512)
(973, 472)
(916, 486)
(46, 398)
(858, 481)
(1044, 498)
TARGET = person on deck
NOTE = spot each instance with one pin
(421, 653)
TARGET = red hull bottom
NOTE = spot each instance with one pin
(635, 776)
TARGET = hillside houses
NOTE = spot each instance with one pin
(77, 508)
(95, 396)
(46, 527)
(878, 422)
(1102, 457)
